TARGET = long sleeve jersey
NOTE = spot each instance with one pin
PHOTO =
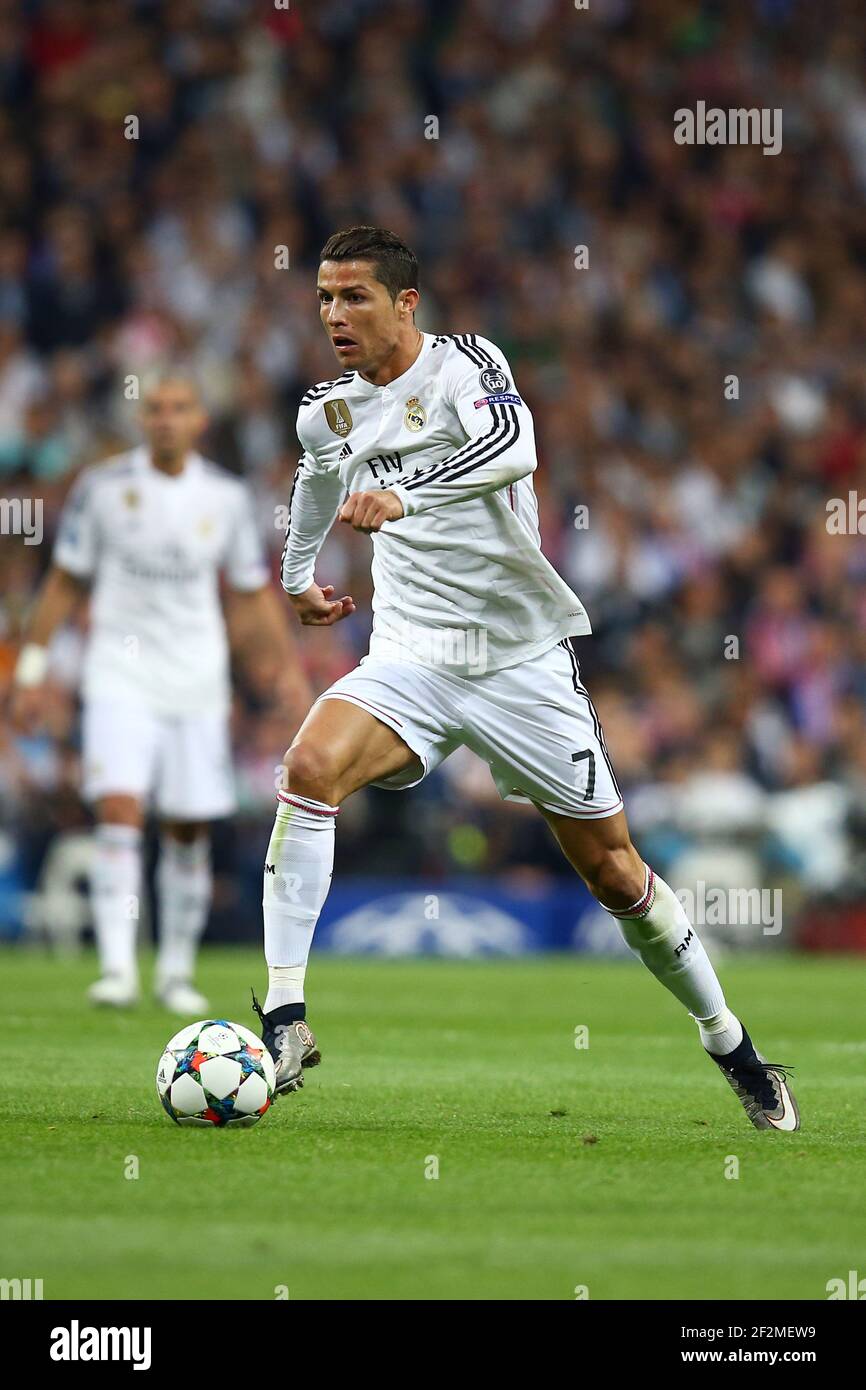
(460, 579)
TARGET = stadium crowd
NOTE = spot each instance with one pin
(697, 375)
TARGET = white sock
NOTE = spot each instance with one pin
(114, 887)
(298, 868)
(183, 887)
(285, 985)
(721, 1033)
(659, 932)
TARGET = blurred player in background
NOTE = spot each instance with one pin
(470, 646)
(152, 531)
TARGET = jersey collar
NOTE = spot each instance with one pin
(360, 387)
(193, 464)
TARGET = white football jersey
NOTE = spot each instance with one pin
(154, 546)
(466, 586)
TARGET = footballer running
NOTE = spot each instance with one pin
(424, 442)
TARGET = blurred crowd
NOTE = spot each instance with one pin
(697, 375)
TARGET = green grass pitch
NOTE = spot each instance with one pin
(558, 1167)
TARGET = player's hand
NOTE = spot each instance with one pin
(26, 707)
(368, 511)
(318, 608)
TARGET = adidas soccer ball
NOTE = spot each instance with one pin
(215, 1073)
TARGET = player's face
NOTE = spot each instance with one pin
(358, 315)
(172, 418)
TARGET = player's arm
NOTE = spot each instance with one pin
(499, 447)
(58, 597)
(313, 505)
(62, 590)
(258, 630)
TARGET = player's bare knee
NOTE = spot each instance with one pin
(185, 832)
(311, 770)
(119, 810)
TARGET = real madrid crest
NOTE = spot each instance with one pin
(131, 498)
(415, 417)
(338, 417)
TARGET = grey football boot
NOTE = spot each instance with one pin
(761, 1086)
(292, 1045)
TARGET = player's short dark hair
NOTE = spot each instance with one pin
(396, 263)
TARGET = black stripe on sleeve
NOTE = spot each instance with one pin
(298, 471)
(489, 360)
(510, 439)
(323, 387)
(475, 355)
(483, 449)
(471, 449)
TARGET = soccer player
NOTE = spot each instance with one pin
(152, 531)
(424, 442)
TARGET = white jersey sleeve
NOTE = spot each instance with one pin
(246, 567)
(77, 544)
(313, 504)
(500, 443)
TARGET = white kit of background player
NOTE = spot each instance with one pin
(156, 691)
(156, 687)
(470, 644)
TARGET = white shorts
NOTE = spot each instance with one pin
(534, 724)
(181, 763)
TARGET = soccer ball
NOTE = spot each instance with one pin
(215, 1073)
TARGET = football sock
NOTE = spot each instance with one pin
(298, 868)
(115, 885)
(657, 929)
(744, 1052)
(286, 991)
(720, 1034)
(183, 887)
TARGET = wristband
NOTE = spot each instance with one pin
(32, 665)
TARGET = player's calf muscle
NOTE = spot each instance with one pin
(616, 878)
(604, 856)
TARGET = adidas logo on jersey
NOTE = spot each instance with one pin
(345, 451)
